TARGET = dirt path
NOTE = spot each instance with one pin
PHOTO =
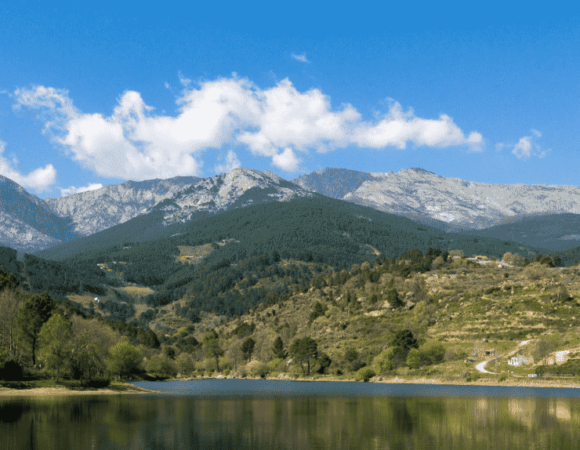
(481, 366)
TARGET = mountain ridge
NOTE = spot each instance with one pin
(422, 195)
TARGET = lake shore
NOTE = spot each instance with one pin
(62, 391)
(510, 382)
(120, 389)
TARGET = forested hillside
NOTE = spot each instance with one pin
(554, 232)
(38, 275)
(263, 252)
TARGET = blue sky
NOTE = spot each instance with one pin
(90, 97)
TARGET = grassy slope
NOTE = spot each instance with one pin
(506, 317)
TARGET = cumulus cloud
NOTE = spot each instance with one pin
(232, 162)
(40, 179)
(301, 58)
(76, 190)
(527, 146)
(279, 123)
(398, 127)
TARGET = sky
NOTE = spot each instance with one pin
(127, 91)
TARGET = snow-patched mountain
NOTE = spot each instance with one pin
(27, 222)
(235, 189)
(97, 210)
(422, 195)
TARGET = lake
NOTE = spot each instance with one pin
(260, 414)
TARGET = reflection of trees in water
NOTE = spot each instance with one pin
(280, 423)
(71, 423)
(11, 412)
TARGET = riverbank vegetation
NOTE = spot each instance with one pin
(434, 314)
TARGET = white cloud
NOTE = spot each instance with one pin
(301, 58)
(397, 128)
(40, 179)
(527, 147)
(183, 80)
(523, 149)
(232, 162)
(278, 123)
(76, 190)
(286, 160)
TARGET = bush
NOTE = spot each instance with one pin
(96, 383)
(227, 372)
(502, 377)
(364, 374)
(384, 362)
(469, 377)
(272, 365)
(414, 358)
(257, 369)
(12, 371)
(436, 353)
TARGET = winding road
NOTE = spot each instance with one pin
(481, 366)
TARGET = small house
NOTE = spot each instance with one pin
(519, 360)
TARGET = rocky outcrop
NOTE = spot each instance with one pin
(97, 210)
(236, 189)
(422, 195)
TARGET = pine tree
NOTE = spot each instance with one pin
(30, 319)
(278, 348)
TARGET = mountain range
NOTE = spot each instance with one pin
(30, 224)
(450, 203)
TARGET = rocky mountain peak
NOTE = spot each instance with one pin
(237, 188)
(422, 195)
(96, 210)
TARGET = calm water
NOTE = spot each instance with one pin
(252, 414)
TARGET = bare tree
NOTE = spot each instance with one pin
(10, 303)
(543, 350)
(234, 354)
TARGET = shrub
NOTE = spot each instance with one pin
(414, 358)
(469, 377)
(384, 362)
(502, 377)
(12, 371)
(364, 374)
(257, 369)
(227, 372)
(436, 353)
(272, 365)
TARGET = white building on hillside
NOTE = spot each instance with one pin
(519, 360)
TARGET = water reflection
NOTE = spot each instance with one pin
(296, 419)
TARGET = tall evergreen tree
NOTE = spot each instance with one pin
(30, 319)
(248, 348)
(278, 348)
(303, 350)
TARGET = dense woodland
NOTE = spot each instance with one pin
(327, 234)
